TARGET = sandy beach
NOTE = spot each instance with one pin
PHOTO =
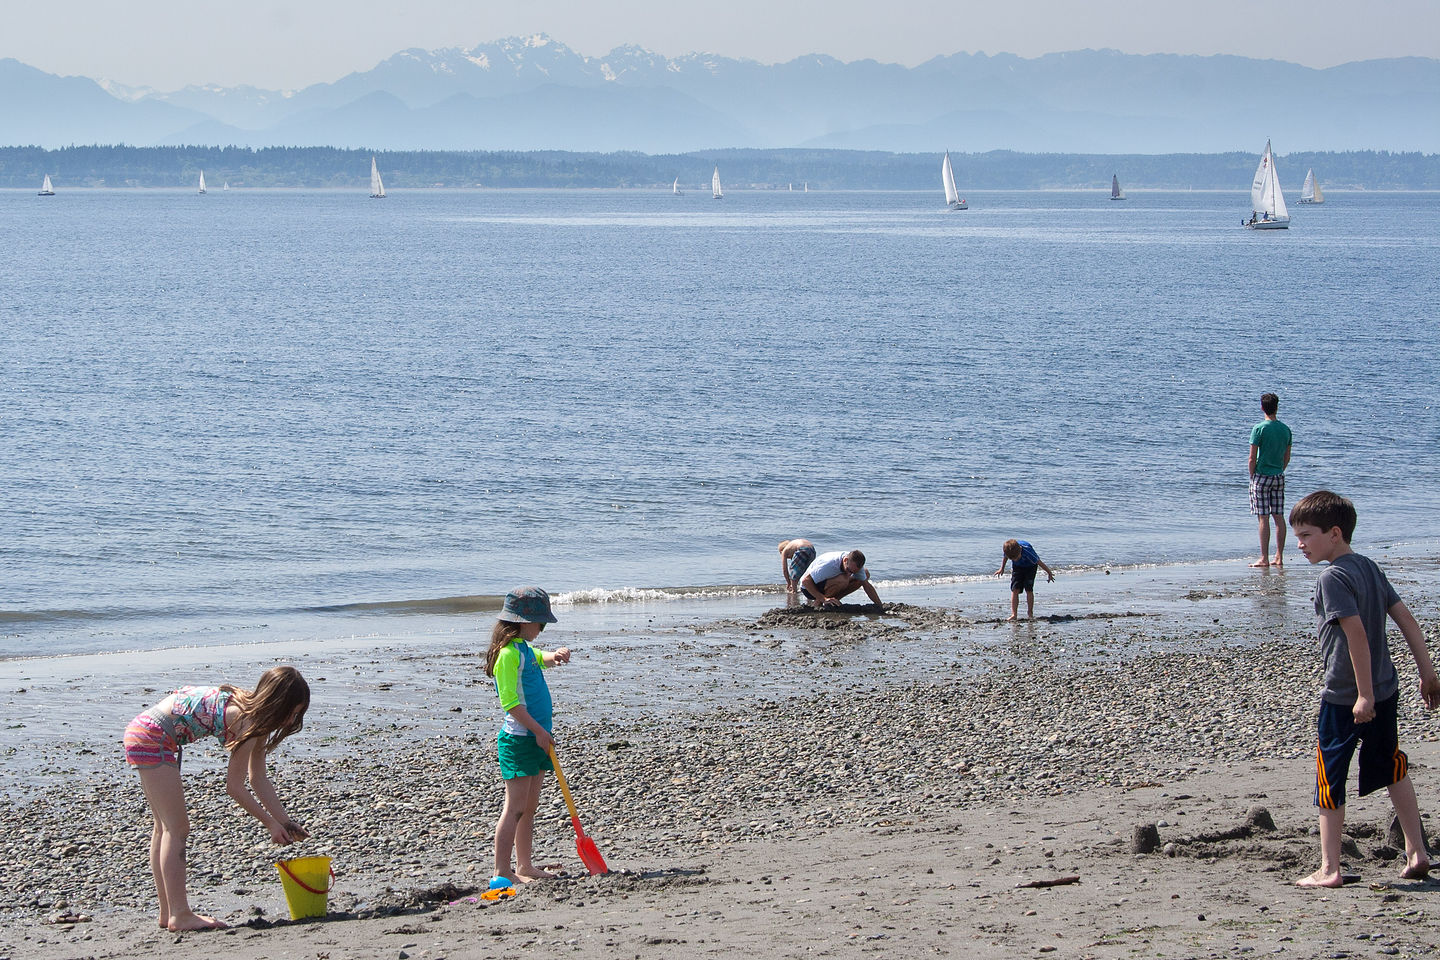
(782, 786)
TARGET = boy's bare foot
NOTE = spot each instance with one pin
(1418, 870)
(1279, 561)
(545, 871)
(195, 921)
(1321, 879)
(1011, 619)
(1261, 563)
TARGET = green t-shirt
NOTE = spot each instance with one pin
(1272, 438)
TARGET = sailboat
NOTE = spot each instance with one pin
(947, 177)
(1311, 192)
(202, 181)
(1267, 203)
(377, 189)
(226, 185)
(675, 188)
(715, 186)
(1115, 192)
(45, 189)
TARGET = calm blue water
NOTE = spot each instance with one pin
(238, 409)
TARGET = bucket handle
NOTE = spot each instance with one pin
(284, 865)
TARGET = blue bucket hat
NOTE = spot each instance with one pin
(527, 605)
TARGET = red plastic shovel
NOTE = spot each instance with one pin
(589, 853)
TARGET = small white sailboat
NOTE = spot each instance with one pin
(377, 189)
(953, 200)
(807, 186)
(1115, 192)
(1311, 192)
(1267, 203)
(792, 188)
(225, 185)
(675, 188)
(715, 190)
(202, 181)
(45, 189)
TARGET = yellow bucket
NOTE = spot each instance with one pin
(307, 885)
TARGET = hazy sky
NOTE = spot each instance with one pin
(167, 44)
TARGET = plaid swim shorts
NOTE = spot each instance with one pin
(1267, 495)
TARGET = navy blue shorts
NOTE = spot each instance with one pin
(1382, 762)
(1022, 578)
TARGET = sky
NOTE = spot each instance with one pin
(166, 44)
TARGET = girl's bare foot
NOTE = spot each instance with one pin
(195, 921)
(545, 871)
(1321, 879)
(1418, 870)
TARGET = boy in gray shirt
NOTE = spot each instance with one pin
(1362, 692)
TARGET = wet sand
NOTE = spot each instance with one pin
(784, 785)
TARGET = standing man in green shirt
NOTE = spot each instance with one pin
(1269, 456)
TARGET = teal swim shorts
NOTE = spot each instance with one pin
(521, 756)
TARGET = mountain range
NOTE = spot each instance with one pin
(535, 93)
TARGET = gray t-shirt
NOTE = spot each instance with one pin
(1353, 586)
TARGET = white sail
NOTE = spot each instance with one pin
(1267, 201)
(202, 181)
(1319, 194)
(225, 185)
(1311, 192)
(715, 185)
(45, 189)
(1115, 192)
(675, 187)
(377, 189)
(947, 179)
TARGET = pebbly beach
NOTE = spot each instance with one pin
(768, 781)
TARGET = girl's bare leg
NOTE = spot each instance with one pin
(512, 815)
(525, 869)
(155, 838)
(167, 801)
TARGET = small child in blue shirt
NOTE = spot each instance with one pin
(1024, 561)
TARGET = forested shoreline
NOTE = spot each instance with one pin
(123, 166)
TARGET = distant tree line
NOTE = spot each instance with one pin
(321, 167)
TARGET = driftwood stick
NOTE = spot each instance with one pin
(1057, 882)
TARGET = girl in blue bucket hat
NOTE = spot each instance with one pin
(524, 740)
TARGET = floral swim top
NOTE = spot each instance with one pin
(191, 713)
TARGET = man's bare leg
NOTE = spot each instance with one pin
(1264, 560)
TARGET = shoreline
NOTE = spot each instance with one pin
(418, 621)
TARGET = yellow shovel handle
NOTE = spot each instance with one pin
(564, 790)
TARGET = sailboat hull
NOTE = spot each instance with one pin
(1269, 225)
(959, 205)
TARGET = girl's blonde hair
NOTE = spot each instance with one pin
(274, 710)
(500, 637)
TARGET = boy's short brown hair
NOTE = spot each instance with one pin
(1011, 549)
(1323, 510)
(1269, 404)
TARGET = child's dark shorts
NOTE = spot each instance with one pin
(1022, 578)
(1382, 762)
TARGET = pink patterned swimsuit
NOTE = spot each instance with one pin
(190, 713)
